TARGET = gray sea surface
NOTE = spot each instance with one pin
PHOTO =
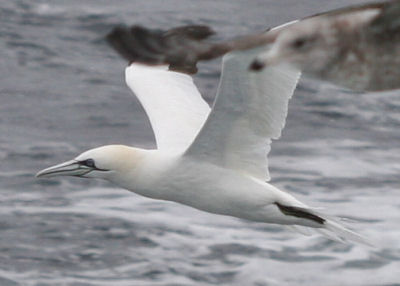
(62, 91)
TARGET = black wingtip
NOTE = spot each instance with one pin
(137, 44)
(177, 47)
(119, 38)
(116, 33)
(194, 32)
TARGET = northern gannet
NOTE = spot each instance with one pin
(213, 160)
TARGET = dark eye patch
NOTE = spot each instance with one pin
(89, 163)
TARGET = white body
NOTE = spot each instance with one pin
(214, 159)
(207, 187)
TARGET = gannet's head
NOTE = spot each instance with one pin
(308, 46)
(102, 162)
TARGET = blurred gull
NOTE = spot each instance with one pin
(215, 161)
(357, 47)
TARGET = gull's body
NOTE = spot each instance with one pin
(214, 159)
(356, 47)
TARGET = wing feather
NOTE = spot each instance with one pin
(172, 102)
(249, 111)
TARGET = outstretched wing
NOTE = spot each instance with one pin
(182, 47)
(250, 108)
(177, 47)
(172, 102)
(388, 21)
(249, 111)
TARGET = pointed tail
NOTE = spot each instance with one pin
(330, 227)
(337, 231)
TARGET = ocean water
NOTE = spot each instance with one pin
(62, 91)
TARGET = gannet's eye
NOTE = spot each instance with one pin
(88, 163)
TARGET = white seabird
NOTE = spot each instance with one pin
(215, 161)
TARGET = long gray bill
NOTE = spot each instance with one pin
(69, 168)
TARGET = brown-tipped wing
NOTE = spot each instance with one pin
(177, 47)
(180, 48)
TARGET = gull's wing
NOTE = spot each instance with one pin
(172, 102)
(348, 10)
(185, 45)
(388, 21)
(249, 111)
(182, 47)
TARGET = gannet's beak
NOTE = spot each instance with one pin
(69, 168)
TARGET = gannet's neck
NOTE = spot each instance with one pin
(115, 158)
(138, 170)
(135, 169)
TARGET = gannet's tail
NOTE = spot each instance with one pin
(330, 227)
(336, 231)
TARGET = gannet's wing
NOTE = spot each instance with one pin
(249, 111)
(250, 108)
(172, 102)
